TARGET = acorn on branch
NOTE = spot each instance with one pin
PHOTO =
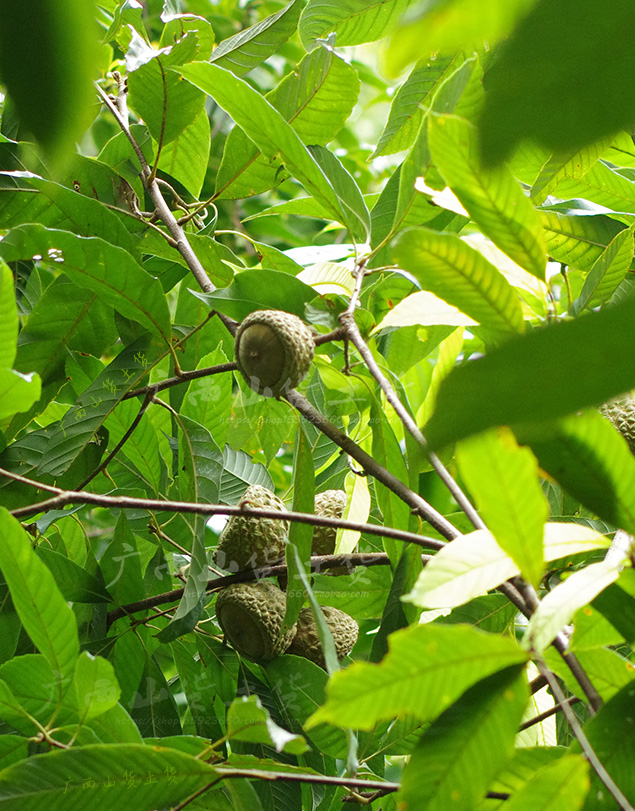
(249, 542)
(251, 616)
(331, 503)
(274, 351)
(621, 412)
(307, 643)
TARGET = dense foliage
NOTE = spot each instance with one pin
(445, 193)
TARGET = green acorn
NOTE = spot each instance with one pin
(331, 503)
(251, 616)
(621, 412)
(249, 542)
(274, 351)
(307, 643)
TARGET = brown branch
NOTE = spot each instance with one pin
(319, 563)
(372, 467)
(184, 377)
(537, 719)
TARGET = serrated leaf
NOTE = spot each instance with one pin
(473, 564)
(93, 263)
(266, 128)
(557, 608)
(186, 157)
(353, 21)
(238, 473)
(426, 669)
(452, 270)
(112, 777)
(43, 611)
(570, 165)
(577, 236)
(507, 386)
(493, 198)
(248, 720)
(503, 480)
(602, 185)
(247, 49)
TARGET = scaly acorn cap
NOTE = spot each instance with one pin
(331, 503)
(251, 616)
(248, 542)
(274, 351)
(621, 412)
(307, 643)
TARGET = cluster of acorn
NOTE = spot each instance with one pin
(251, 614)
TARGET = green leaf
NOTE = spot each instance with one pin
(27, 198)
(406, 110)
(586, 362)
(95, 684)
(452, 25)
(570, 50)
(460, 275)
(493, 198)
(577, 236)
(79, 427)
(74, 582)
(248, 720)
(18, 392)
(571, 165)
(93, 263)
(260, 289)
(108, 777)
(426, 669)
(185, 158)
(472, 564)
(48, 61)
(557, 608)
(249, 48)
(458, 756)
(353, 21)
(559, 786)
(347, 190)
(503, 480)
(166, 104)
(66, 317)
(300, 535)
(266, 128)
(610, 734)
(607, 272)
(8, 318)
(591, 460)
(43, 611)
(602, 185)
(141, 448)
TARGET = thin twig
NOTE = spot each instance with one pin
(184, 377)
(146, 402)
(587, 750)
(372, 467)
(537, 719)
(319, 563)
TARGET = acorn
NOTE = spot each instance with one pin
(331, 503)
(249, 542)
(621, 412)
(274, 351)
(306, 642)
(251, 616)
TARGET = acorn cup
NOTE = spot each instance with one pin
(274, 351)
(331, 503)
(306, 642)
(249, 542)
(621, 412)
(251, 616)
